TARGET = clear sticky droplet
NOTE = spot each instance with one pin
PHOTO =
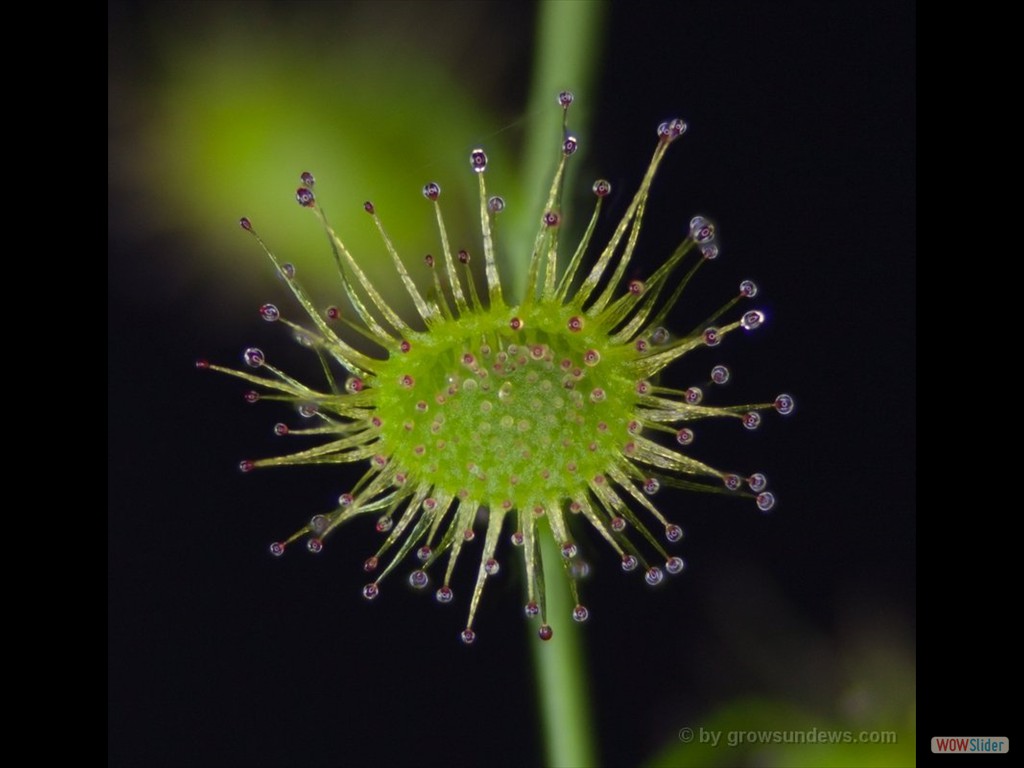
(757, 482)
(304, 338)
(580, 613)
(752, 420)
(629, 563)
(496, 204)
(693, 395)
(368, 207)
(288, 271)
(384, 524)
(765, 501)
(651, 486)
(254, 357)
(468, 636)
(565, 98)
(270, 313)
(684, 436)
(515, 323)
(245, 224)
(478, 160)
(712, 337)
(551, 219)
(709, 251)
(579, 569)
(732, 482)
(748, 289)
(701, 230)
(431, 190)
(251, 396)
(673, 532)
(370, 564)
(318, 524)
(314, 545)
(752, 319)
(517, 539)
(784, 404)
(444, 594)
(570, 145)
(569, 549)
(304, 196)
(418, 579)
(277, 548)
(720, 374)
(545, 632)
(307, 410)
(246, 465)
(370, 591)
(531, 609)
(618, 524)
(491, 567)
(654, 575)
(424, 553)
(575, 324)
(602, 188)
(674, 565)
(672, 129)
(660, 336)
(307, 179)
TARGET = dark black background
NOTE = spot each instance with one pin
(802, 146)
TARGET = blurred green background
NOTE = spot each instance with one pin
(375, 99)
(802, 129)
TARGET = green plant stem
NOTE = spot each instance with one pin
(560, 667)
(569, 36)
(567, 56)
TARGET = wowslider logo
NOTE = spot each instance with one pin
(970, 744)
